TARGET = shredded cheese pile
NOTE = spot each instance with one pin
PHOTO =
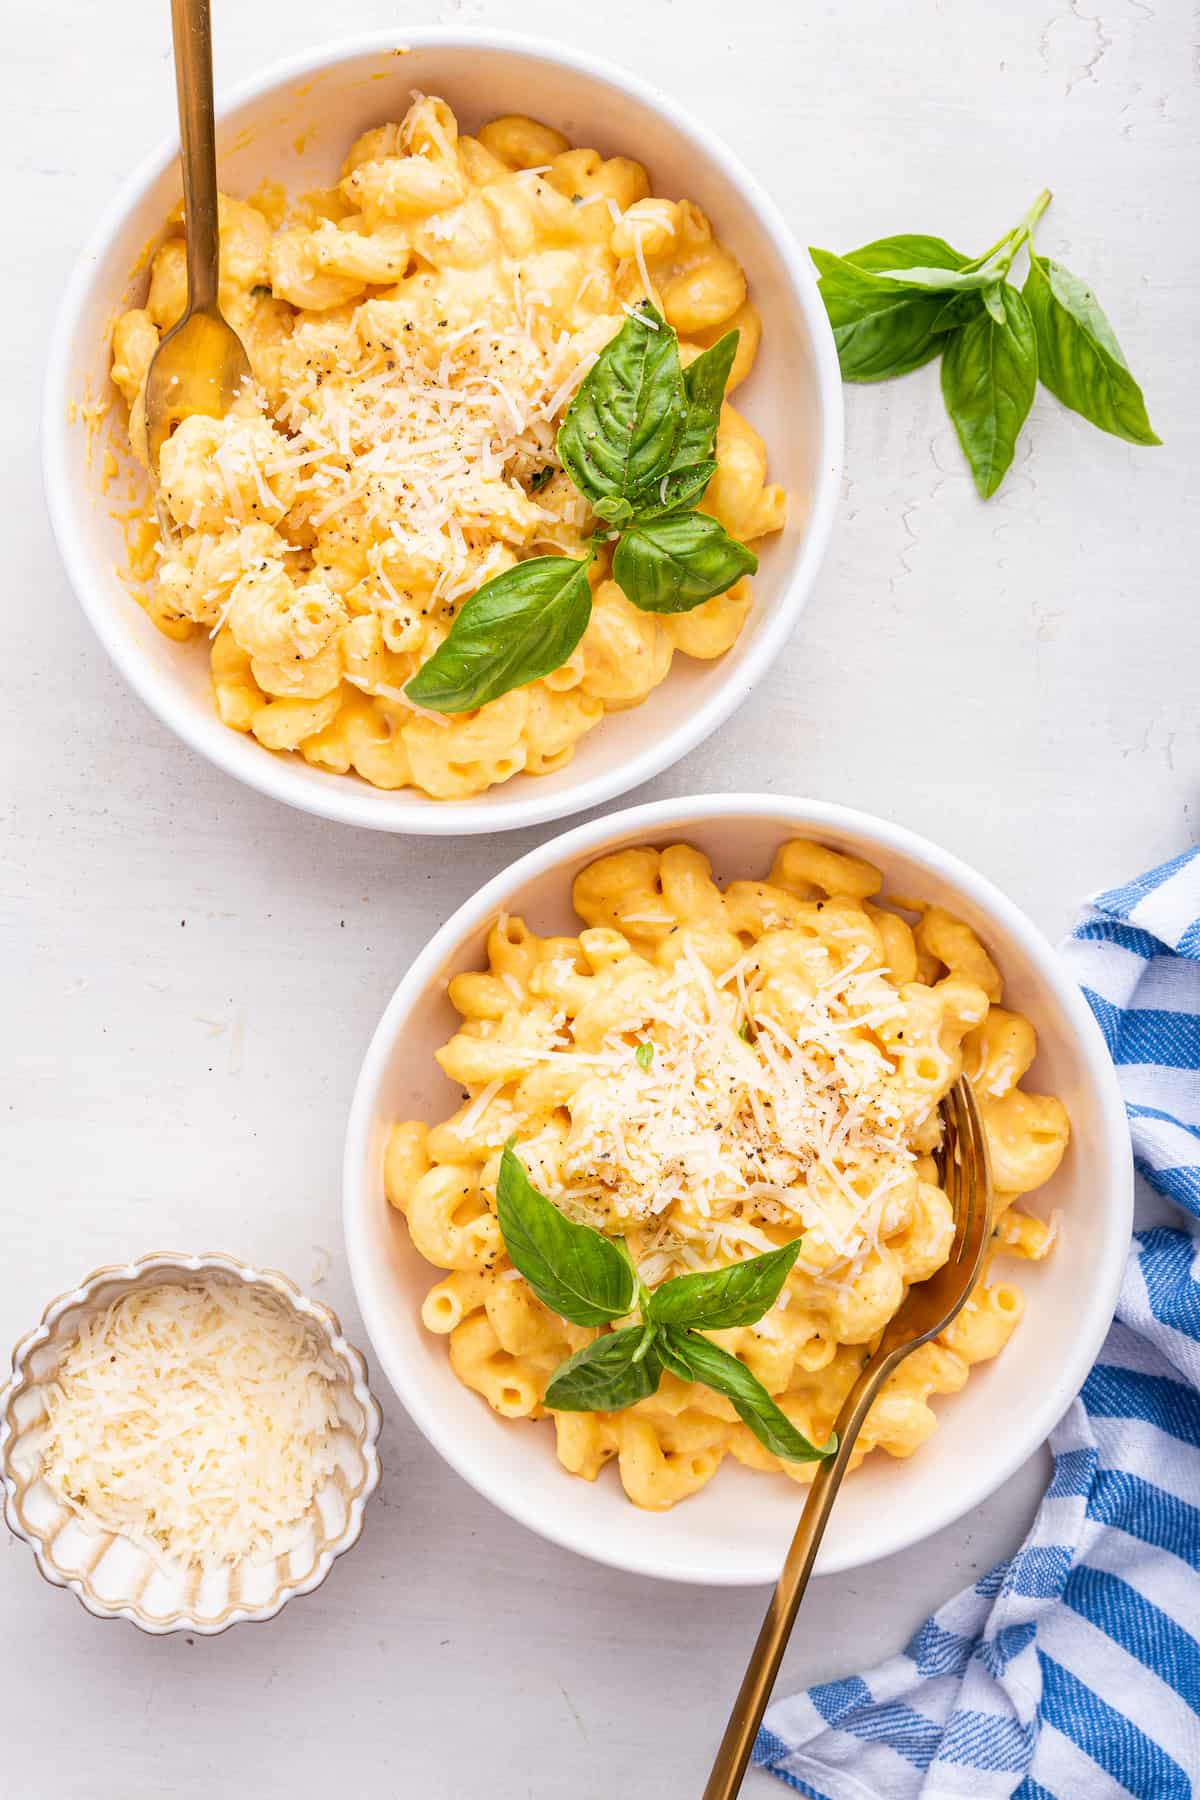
(734, 1121)
(196, 1418)
(420, 434)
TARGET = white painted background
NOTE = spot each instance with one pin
(191, 974)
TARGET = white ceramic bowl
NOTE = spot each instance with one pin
(294, 124)
(116, 1579)
(736, 1530)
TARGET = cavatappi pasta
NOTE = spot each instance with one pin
(803, 1037)
(415, 335)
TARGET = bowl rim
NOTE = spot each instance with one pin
(398, 811)
(654, 818)
(128, 1274)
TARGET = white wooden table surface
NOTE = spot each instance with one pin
(1017, 680)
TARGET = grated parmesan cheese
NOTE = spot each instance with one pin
(196, 1418)
(738, 1122)
(643, 272)
(414, 437)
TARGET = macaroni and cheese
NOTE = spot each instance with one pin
(416, 334)
(803, 1036)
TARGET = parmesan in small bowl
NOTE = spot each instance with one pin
(186, 1442)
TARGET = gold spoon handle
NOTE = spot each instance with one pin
(192, 32)
(734, 1753)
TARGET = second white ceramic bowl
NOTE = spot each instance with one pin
(293, 124)
(736, 1530)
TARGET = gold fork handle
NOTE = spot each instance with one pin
(192, 32)
(733, 1755)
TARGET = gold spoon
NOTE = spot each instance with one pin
(201, 363)
(928, 1309)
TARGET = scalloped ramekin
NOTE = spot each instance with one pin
(116, 1579)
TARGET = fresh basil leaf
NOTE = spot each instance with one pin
(881, 328)
(540, 479)
(956, 311)
(614, 509)
(692, 464)
(943, 281)
(1079, 358)
(886, 343)
(644, 1054)
(606, 1374)
(696, 1358)
(704, 382)
(989, 374)
(575, 1271)
(675, 491)
(993, 300)
(520, 625)
(670, 565)
(621, 429)
(909, 250)
(722, 1298)
(841, 272)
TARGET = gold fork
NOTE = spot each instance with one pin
(201, 363)
(928, 1309)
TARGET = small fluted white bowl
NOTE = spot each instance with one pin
(736, 1530)
(293, 124)
(116, 1579)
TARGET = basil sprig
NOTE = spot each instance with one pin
(638, 441)
(899, 302)
(590, 1279)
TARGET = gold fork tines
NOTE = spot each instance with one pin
(928, 1309)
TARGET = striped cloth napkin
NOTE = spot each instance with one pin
(1072, 1672)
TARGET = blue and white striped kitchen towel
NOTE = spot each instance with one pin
(1072, 1672)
